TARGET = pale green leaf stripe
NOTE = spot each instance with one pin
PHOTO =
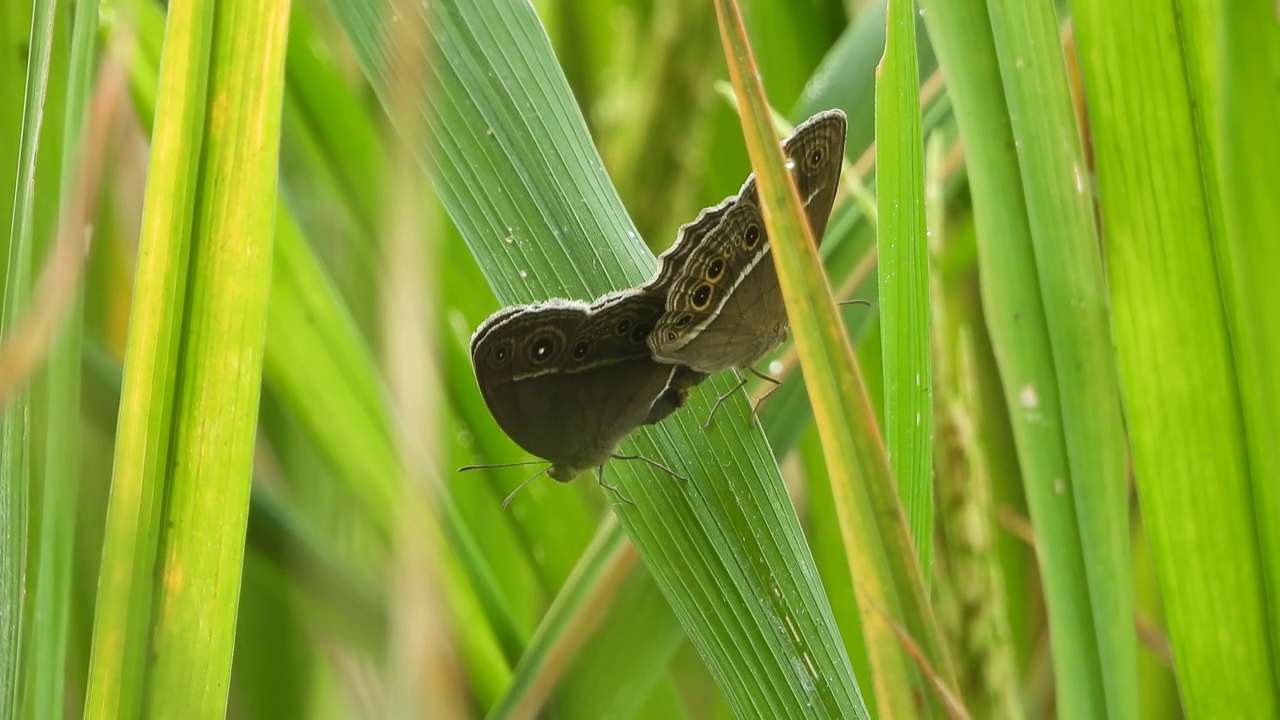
(886, 573)
(962, 36)
(529, 687)
(313, 342)
(629, 661)
(1181, 398)
(122, 617)
(215, 422)
(903, 270)
(308, 321)
(512, 160)
(1248, 54)
(603, 677)
(1068, 260)
(62, 448)
(16, 420)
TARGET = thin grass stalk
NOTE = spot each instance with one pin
(85, 131)
(568, 622)
(15, 425)
(903, 276)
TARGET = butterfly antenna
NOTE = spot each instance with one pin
(465, 468)
(856, 301)
(653, 463)
(521, 485)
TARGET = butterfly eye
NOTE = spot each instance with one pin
(623, 327)
(817, 156)
(641, 332)
(751, 236)
(581, 349)
(715, 269)
(542, 349)
(701, 296)
(682, 321)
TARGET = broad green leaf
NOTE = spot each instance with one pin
(962, 35)
(520, 178)
(215, 415)
(1182, 400)
(1068, 260)
(1248, 60)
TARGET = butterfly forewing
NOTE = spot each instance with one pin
(724, 306)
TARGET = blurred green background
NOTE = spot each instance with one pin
(1096, 180)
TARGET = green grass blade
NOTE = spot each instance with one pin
(350, 142)
(962, 34)
(903, 270)
(846, 80)
(15, 39)
(15, 423)
(1181, 399)
(511, 159)
(336, 589)
(81, 166)
(1064, 236)
(333, 165)
(1249, 163)
(215, 418)
(886, 573)
(122, 617)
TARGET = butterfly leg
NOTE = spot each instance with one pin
(611, 488)
(720, 401)
(655, 464)
(755, 406)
